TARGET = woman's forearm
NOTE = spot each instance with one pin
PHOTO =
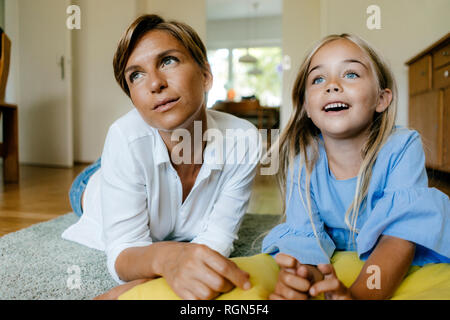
(390, 262)
(145, 262)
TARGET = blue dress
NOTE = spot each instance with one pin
(399, 203)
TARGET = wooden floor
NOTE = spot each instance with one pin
(265, 198)
(42, 194)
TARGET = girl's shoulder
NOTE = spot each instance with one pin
(402, 142)
(402, 136)
(400, 164)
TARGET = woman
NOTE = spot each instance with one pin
(159, 216)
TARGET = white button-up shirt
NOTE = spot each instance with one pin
(141, 193)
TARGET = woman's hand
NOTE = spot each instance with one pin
(194, 271)
(294, 279)
(332, 288)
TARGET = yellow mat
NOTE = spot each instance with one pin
(421, 283)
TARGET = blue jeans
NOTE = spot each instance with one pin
(79, 185)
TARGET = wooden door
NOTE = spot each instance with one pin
(425, 116)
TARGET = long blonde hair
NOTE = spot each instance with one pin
(300, 136)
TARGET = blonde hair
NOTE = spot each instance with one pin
(300, 136)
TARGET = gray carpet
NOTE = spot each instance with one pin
(36, 264)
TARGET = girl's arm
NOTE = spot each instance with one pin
(392, 257)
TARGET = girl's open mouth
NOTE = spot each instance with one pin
(336, 107)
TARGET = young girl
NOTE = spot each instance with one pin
(352, 180)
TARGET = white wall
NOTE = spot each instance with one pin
(192, 12)
(301, 28)
(98, 99)
(232, 33)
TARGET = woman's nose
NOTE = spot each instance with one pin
(157, 83)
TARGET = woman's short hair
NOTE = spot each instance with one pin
(145, 23)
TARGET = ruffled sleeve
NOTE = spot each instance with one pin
(419, 215)
(296, 237)
(407, 208)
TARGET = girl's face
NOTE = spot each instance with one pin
(166, 85)
(342, 93)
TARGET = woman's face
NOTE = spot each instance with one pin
(342, 93)
(166, 85)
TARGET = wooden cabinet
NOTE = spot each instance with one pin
(424, 116)
(429, 102)
(420, 75)
(446, 132)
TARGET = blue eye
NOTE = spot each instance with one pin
(169, 60)
(318, 80)
(134, 76)
(351, 75)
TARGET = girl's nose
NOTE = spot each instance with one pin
(333, 87)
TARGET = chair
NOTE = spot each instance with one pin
(9, 148)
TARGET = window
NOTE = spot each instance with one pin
(261, 79)
(219, 61)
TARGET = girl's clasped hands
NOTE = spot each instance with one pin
(297, 281)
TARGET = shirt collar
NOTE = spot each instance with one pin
(161, 152)
(213, 145)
